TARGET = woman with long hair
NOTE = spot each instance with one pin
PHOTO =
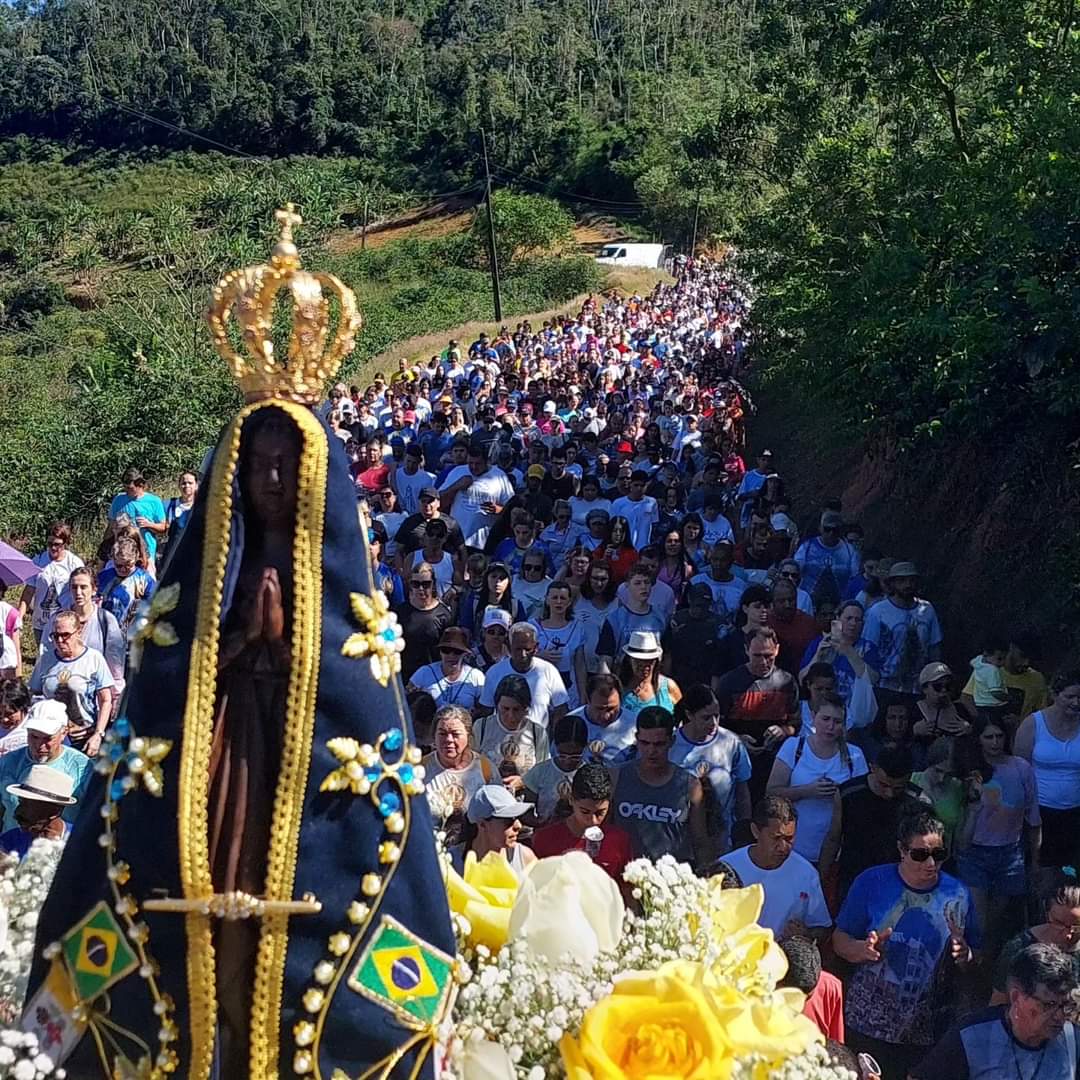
(693, 539)
(561, 640)
(496, 591)
(640, 675)
(1002, 808)
(575, 571)
(619, 551)
(675, 569)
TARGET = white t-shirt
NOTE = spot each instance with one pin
(10, 625)
(642, 515)
(545, 682)
(50, 582)
(451, 789)
(726, 594)
(467, 511)
(84, 677)
(580, 508)
(792, 890)
(524, 747)
(815, 814)
(408, 488)
(550, 784)
(463, 691)
(606, 743)
(715, 531)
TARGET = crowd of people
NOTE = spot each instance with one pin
(619, 638)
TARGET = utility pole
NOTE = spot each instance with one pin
(492, 254)
(693, 238)
(363, 230)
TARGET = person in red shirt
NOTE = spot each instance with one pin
(794, 628)
(824, 992)
(371, 471)
(590, 800)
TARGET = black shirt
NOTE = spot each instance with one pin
(868, 826)
(421, 631)
(691, 644)
(410, 534)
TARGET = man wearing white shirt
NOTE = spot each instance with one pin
(476, 494)
(410, 479)
(638, 508)
(794, 903)
(549, 697)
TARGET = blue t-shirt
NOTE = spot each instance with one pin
(147, 505)
(826, 570)
(905, 638)
(842, 669)
(621, 623)
(895, 999)
(121, 596)
(719, 763)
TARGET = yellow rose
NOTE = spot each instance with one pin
(651, 1025)
(567, 904)
(485, 895)
(683, 1022)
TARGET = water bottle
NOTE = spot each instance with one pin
(594, 837)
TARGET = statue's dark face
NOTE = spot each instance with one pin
(269, 474)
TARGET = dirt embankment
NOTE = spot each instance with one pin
(992, 526)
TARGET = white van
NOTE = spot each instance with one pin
(620, 254)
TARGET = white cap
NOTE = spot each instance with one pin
(47, 718)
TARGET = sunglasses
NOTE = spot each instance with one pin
(422, 583)
(451, 651)
(499, 631)
(922, 854)
(533, 566)
(59, 635)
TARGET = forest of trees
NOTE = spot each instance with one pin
(902, 175)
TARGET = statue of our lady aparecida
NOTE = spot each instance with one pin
(252, 888)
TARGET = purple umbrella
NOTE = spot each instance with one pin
(15, 567)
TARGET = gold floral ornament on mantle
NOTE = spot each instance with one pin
(380, 640)
(249, 296)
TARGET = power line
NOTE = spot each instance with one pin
(576, 195)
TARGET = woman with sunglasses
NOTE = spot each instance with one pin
(1002, 812)
(494, 638)
(451, 681)
(899, 923)
(423, 618)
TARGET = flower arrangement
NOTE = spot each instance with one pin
(23, 887)
(561, 979)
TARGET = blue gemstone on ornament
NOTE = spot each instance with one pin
(393, 740)
(406, 774)
(373, 772)
(116, 752)
(388, 635)
(122, 726)
(389, 804)
(117, 790)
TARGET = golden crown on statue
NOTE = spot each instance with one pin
(249, 296)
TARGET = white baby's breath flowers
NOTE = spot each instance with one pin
(527, 1004)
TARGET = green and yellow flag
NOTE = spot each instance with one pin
(404, 974)
(97, 953)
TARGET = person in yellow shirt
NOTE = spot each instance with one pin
(1026, 686)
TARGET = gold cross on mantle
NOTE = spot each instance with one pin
(235, 905)
(287, 218)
